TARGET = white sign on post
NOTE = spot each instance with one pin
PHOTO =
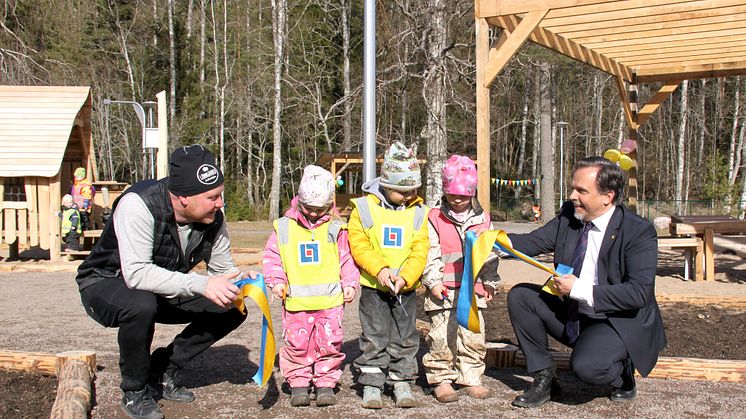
(151, 138)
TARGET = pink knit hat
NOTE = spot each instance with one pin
(460, 176)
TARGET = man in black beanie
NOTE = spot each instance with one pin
(139, 274)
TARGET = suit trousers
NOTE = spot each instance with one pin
(598, 354)
(135, 312)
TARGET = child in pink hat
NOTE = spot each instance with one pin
(456, 355)
(308, 265)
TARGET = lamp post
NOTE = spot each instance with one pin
(146, 123)
(562, 126)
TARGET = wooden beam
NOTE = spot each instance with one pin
(674, 18)
(662, 40)
(633, 9)
(501, 355)
(567, 47)
(654, 103)
(483, 114)
(663, 73)
(610, 35)
(629, 115)
(38, 362)
(688, 59)
(672, 46)
(491, 8)
(518, 36)
(682, 51)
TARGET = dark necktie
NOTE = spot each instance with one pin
(572, 328)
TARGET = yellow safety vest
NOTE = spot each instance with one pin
(310, 259)
(391, 233)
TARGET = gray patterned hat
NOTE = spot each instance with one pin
(400, 170)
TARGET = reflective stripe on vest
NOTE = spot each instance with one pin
(310, 259)
(391, 234)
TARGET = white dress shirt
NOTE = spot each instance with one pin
(582, 289)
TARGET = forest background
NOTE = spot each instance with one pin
(271, 85)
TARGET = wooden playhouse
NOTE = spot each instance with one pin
(45, 133)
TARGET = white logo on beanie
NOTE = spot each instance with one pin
(207, 174)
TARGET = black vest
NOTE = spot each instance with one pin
(103, 262)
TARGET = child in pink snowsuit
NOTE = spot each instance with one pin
(307, 263)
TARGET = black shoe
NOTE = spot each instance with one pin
(299, 397)
(628, 390)
(140, 405)
(544, 386)
(171, 388)
(325, 397)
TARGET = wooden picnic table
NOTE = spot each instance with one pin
(705, 227)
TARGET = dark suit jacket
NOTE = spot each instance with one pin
(626, 275)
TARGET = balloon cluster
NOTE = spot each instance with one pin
(620, 156)
(340, 182)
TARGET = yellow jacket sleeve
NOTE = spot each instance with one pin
(415, 264)
(365, 256)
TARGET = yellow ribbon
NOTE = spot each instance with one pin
(267, 356)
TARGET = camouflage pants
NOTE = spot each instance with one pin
(456, 354)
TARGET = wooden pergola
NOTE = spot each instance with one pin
(636, 41)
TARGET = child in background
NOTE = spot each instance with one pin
(456, 354)
(307, 264)
(71, 227)
(389, 241)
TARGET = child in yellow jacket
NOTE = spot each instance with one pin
(388, 232)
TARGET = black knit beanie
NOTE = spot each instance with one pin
(193, 170)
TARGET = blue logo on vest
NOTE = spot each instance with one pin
(308, 253)
(393, 237)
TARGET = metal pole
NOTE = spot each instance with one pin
(562, 162)
(369, 93)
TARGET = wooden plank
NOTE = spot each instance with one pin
(43, 205)
(654, 103)
(709, 255)
(681, 51)
(691, 15)
(629, 115)
(694, 228)
(678, 242)
(702, 29)
(601, 46)
(55, 196)
(568, 47)
(22, 226)
(688, 59)
(38, 362)
(483, 113)
(13, 205)
(9, 218)
(696, 369)
(671, 46)
(490, 8)
(33, 211)
(516, 39)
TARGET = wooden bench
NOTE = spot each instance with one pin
(692, 247)
(89, 239)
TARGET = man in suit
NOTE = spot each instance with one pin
(606, 310)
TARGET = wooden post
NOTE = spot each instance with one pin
(709, 255)
(38, 362)
(55, 241)
(483, 114)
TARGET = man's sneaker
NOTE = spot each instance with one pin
(299, 397)
(372, 398)
(171, 388)
(140, 405)
(403, 395)
(325, 397)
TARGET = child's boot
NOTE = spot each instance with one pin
(445, 393)
(325, 397)
(477, 392)
(403, 395)
(372, 397)
(299, 397)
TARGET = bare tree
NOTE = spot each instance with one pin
(279, 10)
(683, 111)
(547, 152)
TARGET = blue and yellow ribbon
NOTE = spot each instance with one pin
(256, 290)
(476, 250)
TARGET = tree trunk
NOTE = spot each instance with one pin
(683, 111)
(547, 153)
(702, 123)
(434, 95)
(278, 37)
(172, 64)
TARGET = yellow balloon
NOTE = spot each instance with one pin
(625, 162)
(612, 155)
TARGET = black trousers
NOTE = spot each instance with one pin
(598, 353)
(111, 303)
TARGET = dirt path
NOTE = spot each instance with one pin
(41, 311)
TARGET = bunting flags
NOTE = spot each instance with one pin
(514, 182)
(256, 290)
